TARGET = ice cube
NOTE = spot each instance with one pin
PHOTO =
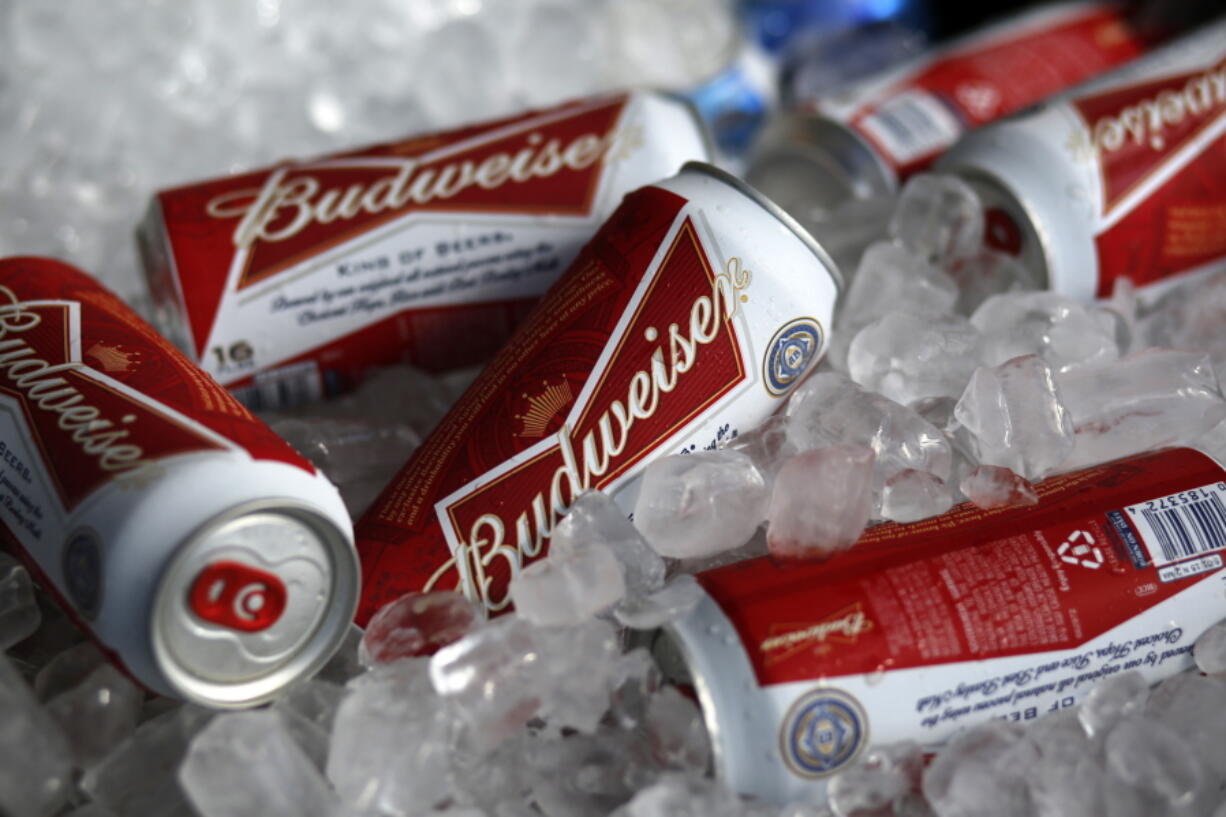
(1195, 707)
(675, 795)
(636, 677)
(1150, 399)
(939, 217)
(987, 273)
(1152, 756)
(558, 52)
(359, 456)
(245, 764)
(876, 783)
(594, 518)
(1017, 417)
(417, 624)
(568, 586)
(309, 709)
(577, 670)
(97, 713)
(390, 740)
(1111, 701)
(1065, 333)
(671, 602)
(891, 277)
(849, 229)
(673, 44)
(907, 357)
(1210, 650)
(767, 445)
(911, 495)
(698, 504)
(35, 774)
(67, 669)
(677, 733)
(449, 90)
(19, 615)
(821, 502)
(491, 676)
(982, 771)
(829, 408)
(138, 777)
(991, 486)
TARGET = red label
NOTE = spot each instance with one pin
(101, 391)
(1136, 130)
(1167, 134)
(966, 585)
(269, 220)
(619, 356)
(237, 596)
(989, 77)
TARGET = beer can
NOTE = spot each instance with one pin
(200, 551)
(689, 317)
(925, 628)
(1124, 177)
(287, 283)
(865, 140)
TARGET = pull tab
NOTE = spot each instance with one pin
(237, 596)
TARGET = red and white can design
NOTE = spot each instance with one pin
(870, 137)
(199, 549)
(1122, 178)
(690, 314)
(287, 283)
(925, 628)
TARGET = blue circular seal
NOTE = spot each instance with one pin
(790, 352)
(82, 566)
(824, 730)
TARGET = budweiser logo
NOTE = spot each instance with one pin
(45, 387)
(1132, 131)
(86, 427)
(847, 623)
(1146, 122)
(633, 403)
(553, 159)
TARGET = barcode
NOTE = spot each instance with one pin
(1182, 525)
(912, 125)
(282, 388)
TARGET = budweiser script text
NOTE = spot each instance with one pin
(293, 199)
(1145, 122)
(96, 435)
(603, 449)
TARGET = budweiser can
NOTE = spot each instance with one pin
(1124, 177)
(689, 316)
(287, 283)
(928, 627)
(867, 139)
(199, 549)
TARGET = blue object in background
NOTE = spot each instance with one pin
(775, 22)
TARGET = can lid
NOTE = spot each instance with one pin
(261, 595)
(775, 210)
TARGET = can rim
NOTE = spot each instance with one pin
(1033, 224)
(314, 650)
(806, 238)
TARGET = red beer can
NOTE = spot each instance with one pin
(867, 139)
(287, 283)
(689, 316)
(928, 627)
(1124, 177)
(200, 551)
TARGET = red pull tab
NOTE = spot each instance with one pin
(1001, 232)
(238, 596)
